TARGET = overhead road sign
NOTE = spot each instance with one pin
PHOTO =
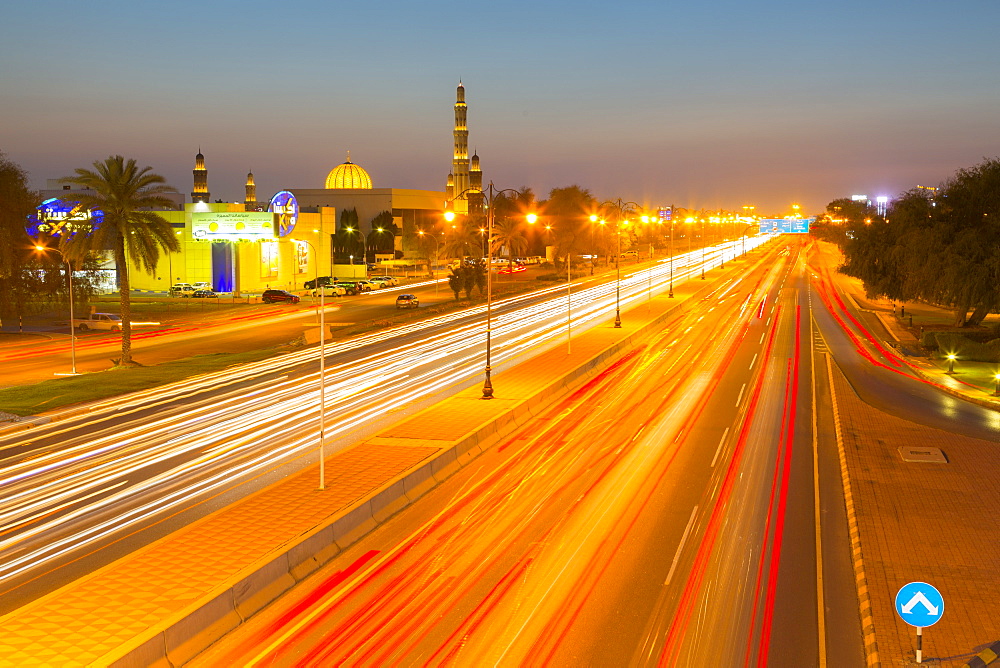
(785, 225)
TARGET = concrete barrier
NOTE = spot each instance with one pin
(178, 639)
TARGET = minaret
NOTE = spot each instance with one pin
(200, 192)
(460, 160)
(251, 196)
(475, 186)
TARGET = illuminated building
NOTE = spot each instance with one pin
(466, 174)
(250, 199)
(348, 176)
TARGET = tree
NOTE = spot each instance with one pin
(382, 238)
(567, 211)
(456, 281)
(507, 235)
(125, 195)
(348, 245)
(17, 275)
(942, 249)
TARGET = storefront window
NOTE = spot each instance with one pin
(268, 259)
(301, 257)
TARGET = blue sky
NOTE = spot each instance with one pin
(712, 104)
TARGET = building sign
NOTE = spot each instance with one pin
(785, 225)
(666, 214)
(232, 225)
(54, 216)
(287, 207)
(301, 257)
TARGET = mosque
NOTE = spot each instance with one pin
(298, 233)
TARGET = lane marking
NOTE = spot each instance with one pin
(762, 335)
(719, 449)
(820, 605)
(680, 546)
(752, 361)
(740, 398)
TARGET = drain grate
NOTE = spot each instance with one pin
(912, 453)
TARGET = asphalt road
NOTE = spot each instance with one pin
(648, 518)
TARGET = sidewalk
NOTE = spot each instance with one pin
(172, 598)
(919, 521)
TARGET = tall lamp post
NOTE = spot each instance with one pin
(670, 292)
(72, 326)
(322, 374)
(491, 193)
(421, 233)
(621, 207)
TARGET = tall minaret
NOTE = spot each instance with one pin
(460, 161)
(200, 192)
(251, 196)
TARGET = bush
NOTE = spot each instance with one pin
(963, 346)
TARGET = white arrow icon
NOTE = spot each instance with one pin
(919, 597)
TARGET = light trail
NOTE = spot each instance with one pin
(101, 481)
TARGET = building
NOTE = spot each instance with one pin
(464, 189)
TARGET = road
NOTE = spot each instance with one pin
(642, 520)
(78, 494)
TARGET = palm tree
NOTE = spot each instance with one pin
(124, 193)
(507, 234)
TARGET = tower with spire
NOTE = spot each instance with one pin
(251, 196)
(200, 192)
(464, 176)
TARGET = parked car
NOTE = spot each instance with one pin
(202, 285)
(407, 301)
(181, 290)
(204, 294)
(350, 287)
(270, 296)
(365, 286)
(323, 280)
(377, 283)
(388, 280)
(335, 290)
(631, 253)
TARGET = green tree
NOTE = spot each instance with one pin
(129, 228)
(456, 281)
(567, 211)
(17, 263)
(382, 238)
(348, 242)
(507, 235)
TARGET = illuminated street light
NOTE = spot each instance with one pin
(493, 192)
(621, 207)
(951, 362)
(322, 370)
(996, 389)
(433, 275)
(72, 325)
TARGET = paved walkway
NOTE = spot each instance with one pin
(81, 622)
(927, 522)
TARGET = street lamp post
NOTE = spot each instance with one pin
(433, 275)
(322, 374)
(72, 326)
(491, 194)
(621, 206)
(670, 292)
(703, 249)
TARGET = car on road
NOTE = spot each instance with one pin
(105, 321)
(335, 290)
(407, 301)
(350, 287)
(181, 290)
(204, 294)
(271, 296)
(630, 254)
(322, 280)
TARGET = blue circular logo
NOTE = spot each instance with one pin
(287, 207)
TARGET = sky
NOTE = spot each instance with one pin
(715, 104)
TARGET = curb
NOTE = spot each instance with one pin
(861, 580)
(984, 658)
(178, 639)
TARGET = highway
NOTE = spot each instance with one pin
(641, 521)
(78, 494)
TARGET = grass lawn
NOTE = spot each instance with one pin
(58, 392)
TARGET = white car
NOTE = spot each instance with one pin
(330, 291)
(182, 290)
(202, 285)
(388, 280)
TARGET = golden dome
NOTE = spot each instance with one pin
(348, 175)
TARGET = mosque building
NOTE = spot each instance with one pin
(300, 233)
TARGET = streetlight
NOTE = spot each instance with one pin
(996, 389)
(951, 362)
(322, 373)
(72, 325)
(421, 233)
(703, 249)
(622, 207)
(449, 215)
